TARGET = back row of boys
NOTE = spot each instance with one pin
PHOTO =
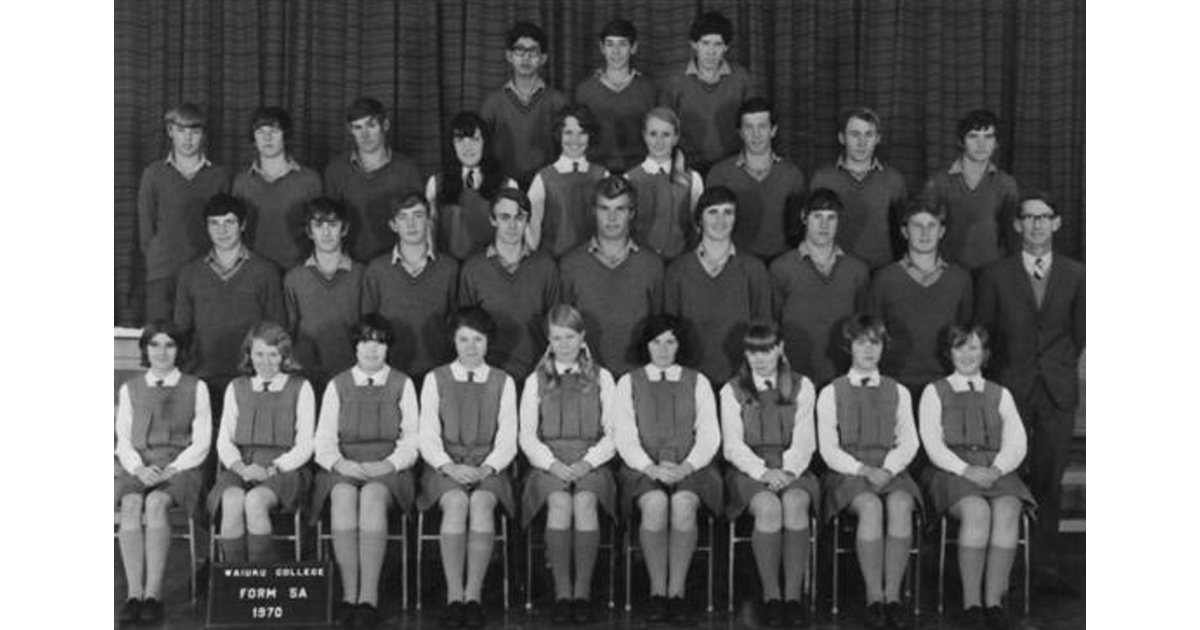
(712, 115)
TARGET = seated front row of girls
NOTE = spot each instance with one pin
(661, 418)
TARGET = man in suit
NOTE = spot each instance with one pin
(1033, 303)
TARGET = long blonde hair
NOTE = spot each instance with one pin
(567, 316)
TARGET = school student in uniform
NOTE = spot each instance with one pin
(163, 431)
(322, 296)
(667, 190)
(461, 196)
(264, 442)
(975, 440)
(561, 191)
(566, 435)
(768, 439)
(868, 438)
(717, 287)
(366, 446)
(667, 434)
(620, 96)
(468, 437)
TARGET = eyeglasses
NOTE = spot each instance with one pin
(1037, 218)
(526, 51)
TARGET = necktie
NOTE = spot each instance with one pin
(575, 166)
(264, 387)
(471, 376)
(470, 178)
(769, 384)
(158, 383)
(971, 385)
(1039, 268)
(865, 382)
(370, 381)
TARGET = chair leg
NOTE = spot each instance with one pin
(191, 539)
(712, 534)
(628, 562)
(296, 520)
(420, 565)
(812, 565)
(504, 555)
(941, 605)
(612, 565)
(914, 562)
(529, 568)
(837, 549)
(1025, 543)
(403, 561)
(729, 581)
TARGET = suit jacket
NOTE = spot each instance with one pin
(1028, 341)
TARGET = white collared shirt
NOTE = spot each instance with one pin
(302, 447)
(654, 167)
(191, 456)
(1029, 261)
(504, 446)
(707, 427)
(796, 457)
(536, 451)
(903, 450)
(403, 456)
(1012, 435)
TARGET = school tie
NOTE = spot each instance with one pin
(769, 384)
(471, 376)
(264, 389)
(1039, 268)
(575, 166)
(865, 382)
(159, 383)
(470, 178)
(370, 381)
(971, 385)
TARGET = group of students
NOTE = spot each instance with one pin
(682, 272)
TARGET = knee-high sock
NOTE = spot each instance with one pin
(870, 561)
(371, 549)
(345, 551)
(681, 547)
(767, 548)
(654, 550)
(260, 547)
(479, 555)
(454, 556)
(895, 562)
(558, 550)
(795, 562)
(587, 546)
(133, 552)
(970, 566)
(158, 543)
(234, 549)
(999, 565)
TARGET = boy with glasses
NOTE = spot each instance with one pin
(520, 112)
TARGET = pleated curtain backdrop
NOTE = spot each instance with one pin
(921, 64)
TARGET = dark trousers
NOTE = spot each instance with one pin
(1049, 430)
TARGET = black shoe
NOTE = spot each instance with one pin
(973, 617)
(452, 617)
(680, 614)
(795, 614)
(772, 613)
(1051, 583)
(875, 618)
(582, 611)
(896, 615)
(367, 616)
(131, 612)
(560, 613)
(473, 616)
(152, 611)
(656, 609)
(343, 614)
(995, 618)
